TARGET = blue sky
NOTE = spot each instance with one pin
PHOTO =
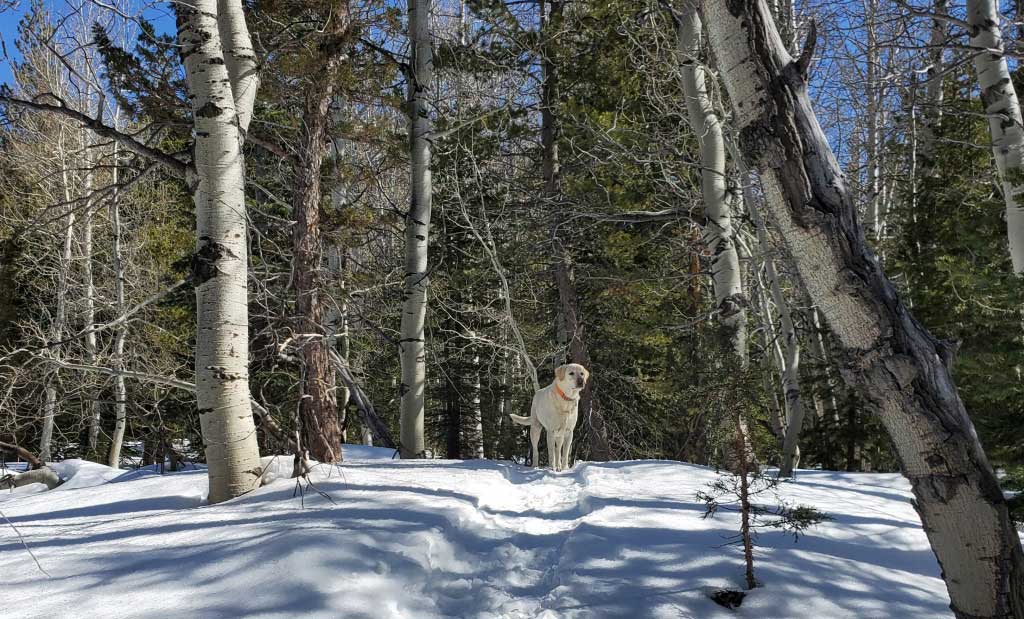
(158, 13)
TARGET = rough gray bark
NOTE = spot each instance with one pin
(219, 266)
(1005, 124)
(417, 231)
(899, 370)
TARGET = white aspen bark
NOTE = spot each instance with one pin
(417, 230)
(763, 308)
(337, 327)
(49, 415)
(719, 233)
(120, 332)
(790, 357)
(220, 263)
(873, 142)
(240, 60)
(1004, 117)
(931, 116)
(898, 369)
(89, 288)
(504, 402)
(51, 406)
(478, 413)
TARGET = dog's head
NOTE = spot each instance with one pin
(571, 377)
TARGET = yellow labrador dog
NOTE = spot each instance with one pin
(554, 409)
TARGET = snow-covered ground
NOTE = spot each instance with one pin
(473, 539)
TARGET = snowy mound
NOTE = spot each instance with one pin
(461, 540)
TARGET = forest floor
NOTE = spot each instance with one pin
(454, 539)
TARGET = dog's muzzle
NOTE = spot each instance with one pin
(579, 383)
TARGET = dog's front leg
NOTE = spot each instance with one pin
(552, 442)
(566, 448)
(535, 431)
(556, 454)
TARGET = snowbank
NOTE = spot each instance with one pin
(461, 540)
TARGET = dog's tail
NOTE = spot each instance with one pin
(523, 421)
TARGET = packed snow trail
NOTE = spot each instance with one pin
(455, 539)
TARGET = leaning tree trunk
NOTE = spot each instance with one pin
(219, 266)
(1004, 117)
(318, 411)
(570, 324)
(417, 230)
(894, 364)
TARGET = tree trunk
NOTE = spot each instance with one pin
(931, 117)
(338, 337)
(570, 323)
(57, 325)
(1005, 124)
(219, 266)
(417, 230)
(452, 396)
(476, 408)
(719, 232)
(790, 358)
(318, 411)
(22, 453)
(875, 215)
(827, 402)
(893, 363)
(120, 332)
(89, 291)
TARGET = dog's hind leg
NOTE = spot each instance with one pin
(535, 431)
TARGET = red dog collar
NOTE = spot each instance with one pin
(559, 391)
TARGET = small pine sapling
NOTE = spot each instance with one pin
(738, 492)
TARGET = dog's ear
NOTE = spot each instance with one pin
(586, 375)
(560, 372)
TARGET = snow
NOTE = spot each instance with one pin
(455, 539)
